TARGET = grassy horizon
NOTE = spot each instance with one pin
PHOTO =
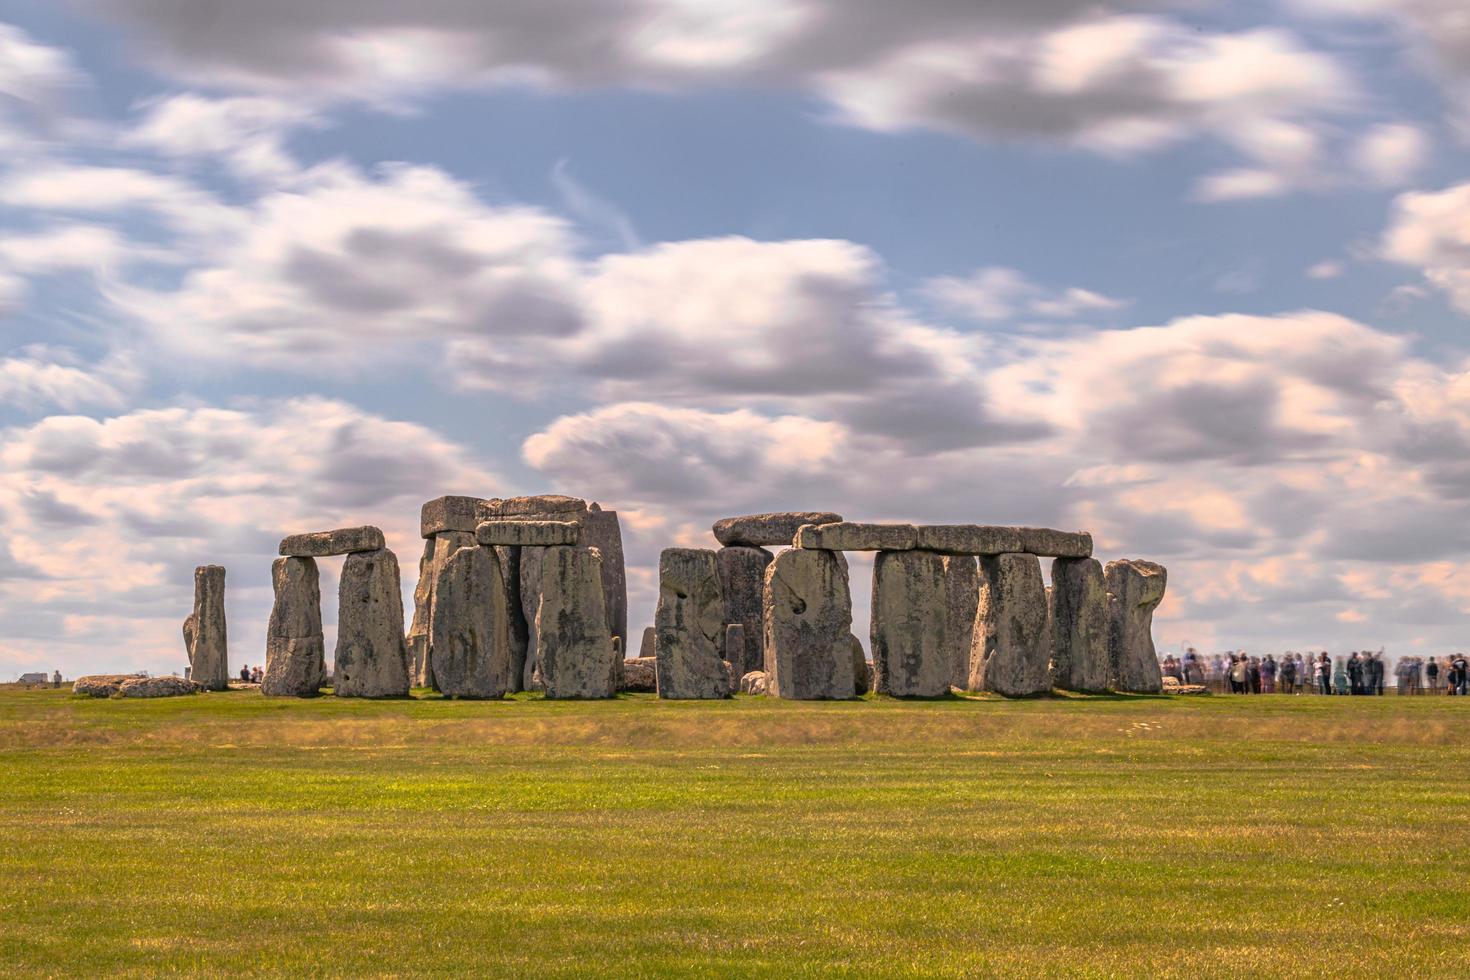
(231, 834)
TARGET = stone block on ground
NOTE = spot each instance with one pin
(639, 675)
(449, 514)
(295, 652)
(852, 536)
(962, 597)
(862, 678)
(909, 609)
(754, 682)
(205, 633)
(101, 685)
(1135, 589)
(742, 572)
(371, 659)
(776, 530)
(1079, 625)
(808, 625)
(647, 648)
(343, 541)
(469, 638)
(574, 650)
(528, 534)
(169, 686)
(1011, 652)
(690, 626)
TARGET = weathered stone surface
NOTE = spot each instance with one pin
(371, 660)
(690, 625)
(101, 685)
(530, 576)
(469, 635)
(605, 533)
(969, 539)
(343, 541)
(961, 598)
(808, 625)
(862, 679)
(449, 514)
(574, 651)
(528, 534)
(1048, 543)
(417, 640)
(1011, 651)
(742, 580)
(768, 530)
(640, 674)
(1135, 589)
(1079, 625)
(158, 687)
(851, 536)
(535, 505)
(295, 652)
(648, 648)
(909, 608)
(734, 648)
(520, 628)
(754, 682)
(206, 635)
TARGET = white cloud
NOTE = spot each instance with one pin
(34, 75)
(998, 293)
(1326, 269)
(1391, 154)
(1428, 230)
(1239, 185)
(58, 187)
(248, 133)
(47, 377)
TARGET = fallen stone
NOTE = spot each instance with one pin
(605, 533)
(742, 579)
(1011, 651)
(295, 652)
(863, 680)
(851, 536)
(574, 651)
(101, 685)
(961, 598)
(1079, 625)
(808, 625)
(158, 687)
(768, 530)
(690, 626)
(205, 632)
(646, 649)
(536, 505)
(371, 659)
(1047, 543)
(969, 539)
(528, 534)
(1135, 589)
(754, 682)
(469, 638)
(343, 541)
(449, 514)
(909, 606)
(640, 674)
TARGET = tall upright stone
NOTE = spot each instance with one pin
(1135, 589)
(574, 648)
(417, 640)
(604, 533)
(649, 645)
(1011, 652)
(205, 635)
(445, 545)
(909, 612)
(742, 581)
(962, 598)
(1079, 625)
(295, 652)
(689, 626)
(520, 631)
(371, 659)
(807, 618)
(530, 596)
(469, 639)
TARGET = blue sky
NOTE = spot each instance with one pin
(1192, 276)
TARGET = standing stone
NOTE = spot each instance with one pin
(962, 597)
(1135, 589)
(735, 646)
(204, 630)
(742, 581)
(690, 626)
(417, 640)
(604, 533)
(574, 649)
(469, 637)
(445, 544)
(1078, 601)
(1011, 653)
(649, 646)
(861, 678)
(371, 660)
(295, 653)
(807, 609)
(510, 574)
(909, 606)
(530, 593)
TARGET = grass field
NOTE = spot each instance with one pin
(227, 834)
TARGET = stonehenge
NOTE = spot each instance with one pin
(961, 599)
(574, 648)
(742, 570)
(807, 614)
(1078, 608)
(343, 541)
(909, 632)
(767, 530)
(1135, 589)
(205, 635)
(689, 624)
(1010, 651)
(371, 659)
(295, 651)
(469, 631)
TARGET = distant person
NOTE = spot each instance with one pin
(1268, 675)
(1288, 674)
(1340, 677)
(256, 674)
(1238, 674)
(1253, 675)
(1460, 674)
(1376, 671)
(56, 678)
(1431, 671)
(245, 674)
(1355, 673)
(1324, 673)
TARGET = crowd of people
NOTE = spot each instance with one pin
(1361, 672)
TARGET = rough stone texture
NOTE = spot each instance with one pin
(909, 608)
(851, 536)
(205, 632)
(371, 660)
(969, 539)
(1011, 652)
(690, 625)
(768, 530)
(1135, 589)
(1078, 601)
(808, 625)
(742, 580)
(295, 653)
(732, 677)
(862, 679)
(530, 593)
(648, 648)
(754, 682)
(417, 640)
(1048, 543)
(734, 647)
(469, 635)
(605, 533)
(443, 544)
(640, 674)
(158, 687)
(961, 599)
(343, 541)
(101, 685)
(449, 514)
(536, 505)
(528, 534)
(574, 651)
(520, 629)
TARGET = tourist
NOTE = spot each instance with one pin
(1194, 672)
(56, 678)
(1460, 674)
(1238, 673)
(1340, 677)
(1253, 675)
(256, 674)
(1288, 675)
(1355, 673)
(1324, 673)
(1431, 670)
(1268, 675)
(245, 674)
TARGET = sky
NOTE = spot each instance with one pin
(1193, 276)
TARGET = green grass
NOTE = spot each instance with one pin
(227, 834)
